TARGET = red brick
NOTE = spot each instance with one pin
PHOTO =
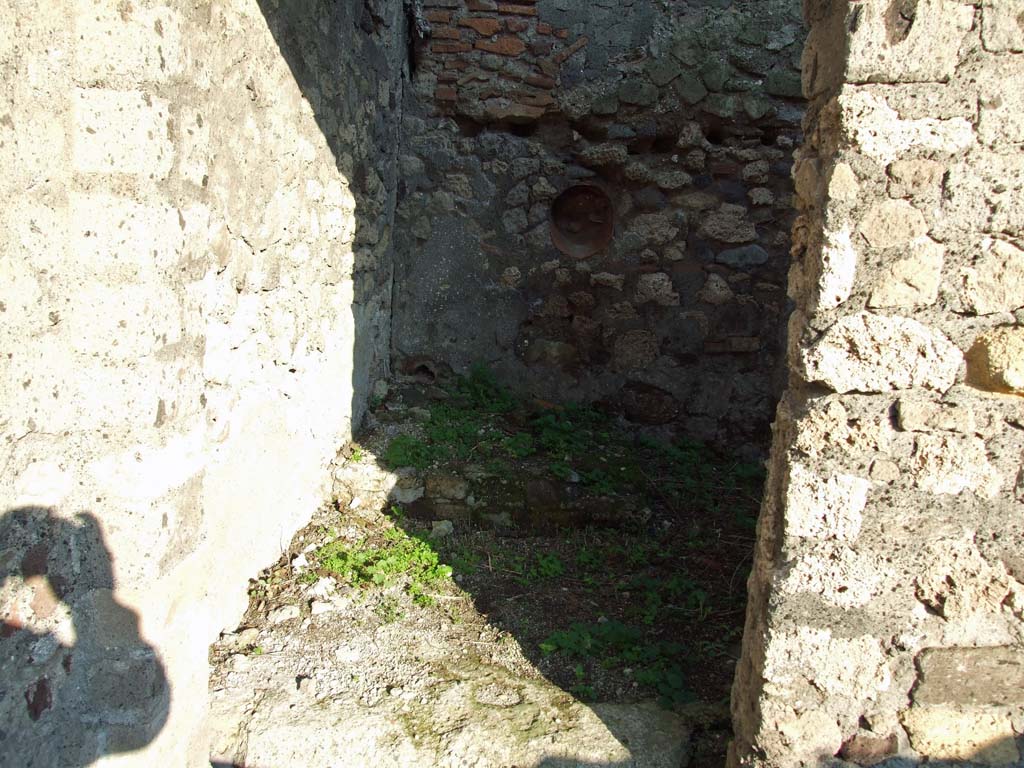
(565, 53)
(481, 5)
(483, 26)
(505, 45)
(540, 81)
(445, 33)
(561, 33)
(439, 17)
(517, 25)
(445, 93)
(448, 77)
(543, 29)
(445, 47)
(475, 76)
(540, 47)
(459, 64)
(534, 99)
(517, 10)
(499, 109)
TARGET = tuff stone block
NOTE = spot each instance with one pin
(121, 132)
(992, 676)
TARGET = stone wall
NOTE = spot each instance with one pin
(886, 611)
(194, 293)
(685, 115)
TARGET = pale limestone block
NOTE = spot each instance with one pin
(608, 280)
(925, 416)
(46, 482)
(121, 132)
(656, 287)
(812, 733)
(634, 349)
(656, 228)
(914, 177)
(193, 146)
(126, 42)
(843, 185)
(119, 240)
(838, 269)
(876, 353)
(1001, 101)
(959, 584)
(836, 573)
(806, 177)
(892, 223)
(989, 677)
(729, 224)
(984, 192)
(824, 508)
(715, 291)
(884, 48)
(1002, 25)
(123, 323)
(996, 361)
(952, 464)
(948, 733)
(995, 282)
(880, 133)
(913, 281)
(853, 667)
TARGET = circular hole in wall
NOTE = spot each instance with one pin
(581, 220)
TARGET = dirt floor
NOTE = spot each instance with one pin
(483, 553)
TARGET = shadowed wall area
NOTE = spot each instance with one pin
(88, 684)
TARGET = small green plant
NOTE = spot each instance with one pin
(545, 566)
(465, 560)
(581, 690)
(548, 566)
(520, 445)
(388, 609)
(590, 559)
(481, 388)
(560, 469)
(357, 454)
(407, 451)
(613, 644)
(400, 556)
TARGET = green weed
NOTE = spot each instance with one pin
(614, 644)
(400, 557)
(407, 451)
(388, 609)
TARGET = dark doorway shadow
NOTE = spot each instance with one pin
(78, 680)
(345, 56)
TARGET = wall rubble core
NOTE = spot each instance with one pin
(887, 583)
(686, 115)
(195, 295)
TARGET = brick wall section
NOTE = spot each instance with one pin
(887, 584)
(462, 38)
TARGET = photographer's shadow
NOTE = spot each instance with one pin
(78, 680)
